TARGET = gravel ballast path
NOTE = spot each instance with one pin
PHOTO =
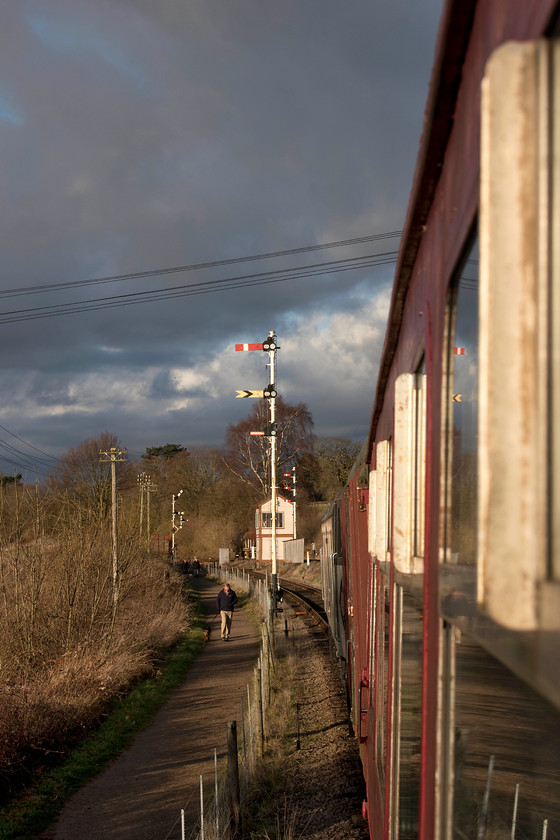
(141, 794)
(324, 784)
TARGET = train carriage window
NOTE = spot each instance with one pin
(410, 717)
(394, 727)
(384, 630)
(446, 727)
(419, 462)
(506, 752)
(372, 635)
(406, 722)
(458, 580)
(463, 367)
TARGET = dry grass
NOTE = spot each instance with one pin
(266, 811)
(65, 651)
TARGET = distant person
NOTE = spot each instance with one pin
(226, 601)
(196, 566)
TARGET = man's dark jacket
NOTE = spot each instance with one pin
(226, 600)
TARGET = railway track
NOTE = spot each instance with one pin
(307, 601)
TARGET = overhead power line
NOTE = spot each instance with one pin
(23, 462)
(23, 468)
(157, 272)
(202, 287)
(30, 445)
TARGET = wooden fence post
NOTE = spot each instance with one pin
(233, 782)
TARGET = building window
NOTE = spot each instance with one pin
(267, 520)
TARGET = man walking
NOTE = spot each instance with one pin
(226, 600)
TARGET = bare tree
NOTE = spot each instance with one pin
(248, 456)
(85, 481)
(324, 472)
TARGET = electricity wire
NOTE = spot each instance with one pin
(51, 457)
(115, 278)
(206, 287)
(25, 463)
(203, 287)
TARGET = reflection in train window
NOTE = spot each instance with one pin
(372, 633)
(462, 435)
(506, 752)
(410, 661)
(382, 677)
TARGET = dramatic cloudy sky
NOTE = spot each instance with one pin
(141, 135)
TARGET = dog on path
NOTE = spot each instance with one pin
(206, 633)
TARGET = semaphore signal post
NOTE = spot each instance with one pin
(270, 346)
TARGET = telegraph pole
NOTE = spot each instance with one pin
(150, 488)
(146, 486)
(141, 480)
(114, 456)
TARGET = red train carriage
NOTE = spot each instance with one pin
(443, 566)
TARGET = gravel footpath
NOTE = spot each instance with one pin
(141, 793)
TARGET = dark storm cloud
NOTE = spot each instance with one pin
(137, 135)
(164, 386)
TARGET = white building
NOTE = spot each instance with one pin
(263, 528)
